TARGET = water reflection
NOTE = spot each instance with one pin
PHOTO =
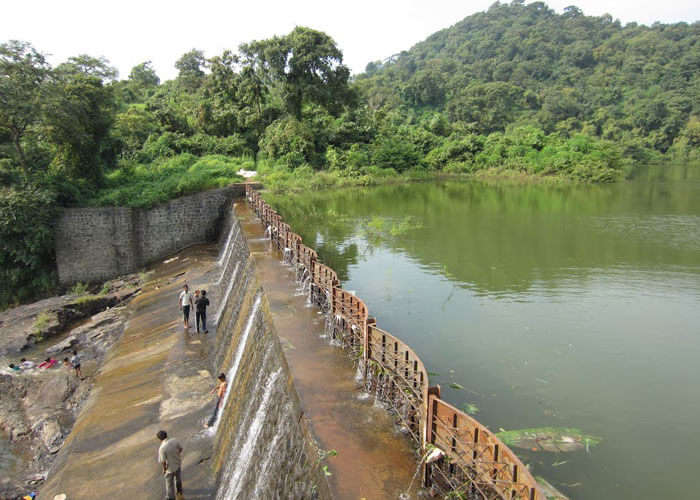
(503, 239)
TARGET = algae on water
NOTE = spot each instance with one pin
(555, 439)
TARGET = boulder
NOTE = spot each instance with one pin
(12, 419)
(52, 389)
(64, 345)
(50, 433)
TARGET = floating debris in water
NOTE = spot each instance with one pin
(552, 439)
(470, 408)
(559, 464)
(168, 261)
(457, 386)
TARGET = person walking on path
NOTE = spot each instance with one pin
(185, 302)
(170, 458)
(202, 302)
(75, 363)
(220, 390)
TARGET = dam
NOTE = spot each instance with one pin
(321, 402)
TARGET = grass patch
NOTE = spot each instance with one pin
(78, 289)
(145, 185)
(86, 299)
(42, 321)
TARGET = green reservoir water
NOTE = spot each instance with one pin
(573, 306)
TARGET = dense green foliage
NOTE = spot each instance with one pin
(567, 74)
(516, 90)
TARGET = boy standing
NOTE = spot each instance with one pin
(185, 301)
(75, 363)
(220, 390)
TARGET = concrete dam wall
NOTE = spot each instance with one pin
(262, 448)
(101, 243)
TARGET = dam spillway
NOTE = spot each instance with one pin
(374, 459)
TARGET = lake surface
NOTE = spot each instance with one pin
(564, 306)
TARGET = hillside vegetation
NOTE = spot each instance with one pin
(518, 90)
(524, 66)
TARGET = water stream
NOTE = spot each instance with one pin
(236, 469)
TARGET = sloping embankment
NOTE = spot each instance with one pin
(158, 377)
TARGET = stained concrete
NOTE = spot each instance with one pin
(155, 378)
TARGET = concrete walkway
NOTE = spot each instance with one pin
(374, 461)
(155, 378)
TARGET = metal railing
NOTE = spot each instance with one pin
(471, 461)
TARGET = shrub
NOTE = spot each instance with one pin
(27, 261)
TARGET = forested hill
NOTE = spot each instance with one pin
(567, 73)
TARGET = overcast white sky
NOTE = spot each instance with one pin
(128, 32)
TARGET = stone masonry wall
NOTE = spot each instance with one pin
(101, 243)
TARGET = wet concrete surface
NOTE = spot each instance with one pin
(156, 377)
(374, 460)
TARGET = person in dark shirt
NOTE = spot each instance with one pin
(201, 303)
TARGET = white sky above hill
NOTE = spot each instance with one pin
(128, 32)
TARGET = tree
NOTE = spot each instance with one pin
(190, 69)
(23, 72)
(143, 75)
(93, 66)
(79, 111)
(307, 66)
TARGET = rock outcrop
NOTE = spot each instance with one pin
(38, 407)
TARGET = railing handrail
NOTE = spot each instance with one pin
(504, 472)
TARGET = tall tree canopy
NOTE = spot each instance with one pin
(307, 66)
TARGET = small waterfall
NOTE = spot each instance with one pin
(224, 299)
(225, 259)
(226, 248)
(287, 256)
(265, 470)
(230, 377)
(236, 469)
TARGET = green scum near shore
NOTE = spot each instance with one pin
(553, 439)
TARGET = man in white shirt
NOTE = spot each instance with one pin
(186, 303)
(170, 457)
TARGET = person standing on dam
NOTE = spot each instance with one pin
(170, 458)
(201, 313)
(185, 301)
